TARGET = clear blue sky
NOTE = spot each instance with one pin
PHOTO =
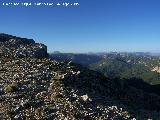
(93, 26)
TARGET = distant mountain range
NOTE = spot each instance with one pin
(123, 65)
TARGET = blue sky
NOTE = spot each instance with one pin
(93, 26)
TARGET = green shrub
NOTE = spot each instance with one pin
(8, 89)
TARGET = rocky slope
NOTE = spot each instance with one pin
(35, 87)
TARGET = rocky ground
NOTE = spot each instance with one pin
(33, 87)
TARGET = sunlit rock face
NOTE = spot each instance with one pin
(12, 46)
(156, 69)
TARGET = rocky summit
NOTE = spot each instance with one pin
(33, 87)
(20, 47)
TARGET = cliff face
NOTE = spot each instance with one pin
(12, 46)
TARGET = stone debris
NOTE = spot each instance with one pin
(84, 97)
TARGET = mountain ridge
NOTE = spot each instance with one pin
(33, 86)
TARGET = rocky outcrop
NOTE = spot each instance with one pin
(156, 69)
(12, 46)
